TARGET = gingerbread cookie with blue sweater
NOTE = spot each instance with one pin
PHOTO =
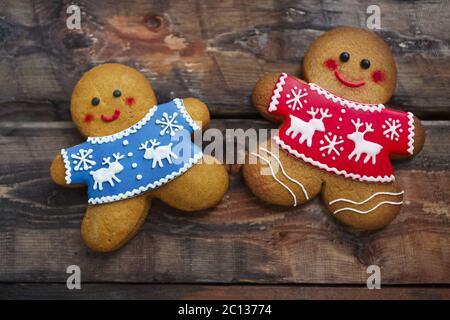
(136, 150)
(337, 138)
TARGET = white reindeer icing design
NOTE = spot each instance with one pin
(371, 149)
(307, 129)
(107, 174)
(158, 154)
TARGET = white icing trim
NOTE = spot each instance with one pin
(180, 105)
(410, 133)
(368, 199)
(277, 92)
(285, 174)
(275, 177)
(138, 125)
(365, 212)
(344, 102)
(126, 132)
(197, 157)
(334, 170)
(68, 176)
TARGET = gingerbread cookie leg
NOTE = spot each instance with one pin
(202, 187)
(106, 227)
(362, 205)
(278, 179)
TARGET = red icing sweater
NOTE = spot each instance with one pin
(343, 137)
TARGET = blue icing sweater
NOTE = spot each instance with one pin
(141, 158)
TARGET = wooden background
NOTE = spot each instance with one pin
(215, 51)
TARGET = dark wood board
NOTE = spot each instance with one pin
(92, 291)
(213, 50)
(240, 241)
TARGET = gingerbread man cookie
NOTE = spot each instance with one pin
(135, 151)
(337, 137)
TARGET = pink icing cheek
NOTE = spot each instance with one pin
(378, 76)
(330, 64)
(130, 101)
(88, 118)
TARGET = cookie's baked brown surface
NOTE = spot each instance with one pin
(266, 188)
(360, 44)
(200, 188)
(373, 83)
(107, 227)
(100, 82)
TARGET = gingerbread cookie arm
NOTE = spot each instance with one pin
(262, 94)
(419, 140)
(198, 111)
(58, 172)
(200, 188)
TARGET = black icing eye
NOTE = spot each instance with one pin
(117, 93)
(344, 56)
(95, 101)
(365, 63)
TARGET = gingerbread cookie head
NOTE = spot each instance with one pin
(352, 63)
(110, 98)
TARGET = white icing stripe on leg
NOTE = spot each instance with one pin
(368, 199)
(285, 174)
(276, 179)
(370, 210)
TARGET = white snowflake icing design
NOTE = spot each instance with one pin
(82, 160)
(332, 143)
(295, 103)
(391, 131)
(169, 124)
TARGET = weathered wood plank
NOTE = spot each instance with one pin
(214, 50)
(241, 240)
(92, 291)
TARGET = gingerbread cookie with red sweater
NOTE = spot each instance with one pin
(336, 138)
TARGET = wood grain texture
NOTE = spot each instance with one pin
(92, 291)
(213, 50)
(240, 241)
